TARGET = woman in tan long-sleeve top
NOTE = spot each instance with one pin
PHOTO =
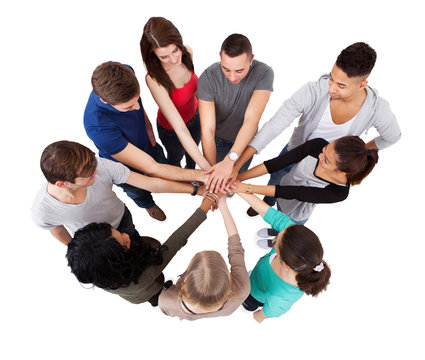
(207, 288)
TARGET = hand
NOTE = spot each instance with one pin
(218, 175)
(240, 187)
(233, 176)
(202, 190)
(209, 202)
(259, 316)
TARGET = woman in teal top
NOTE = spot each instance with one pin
(293, 267)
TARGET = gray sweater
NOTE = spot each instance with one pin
(309, 103)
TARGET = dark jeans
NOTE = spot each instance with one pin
(171, 142)
(277, 176)
(251, 304)
(143, 198)
(126, 225)
(222, 149)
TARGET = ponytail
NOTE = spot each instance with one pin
(354, 159)
(302, 251)
(311, 281)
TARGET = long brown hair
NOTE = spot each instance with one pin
(160, 32)
(353, 158)
(206, 280)
(301, 250)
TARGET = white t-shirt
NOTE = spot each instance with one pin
(100, 205)
(328, 130)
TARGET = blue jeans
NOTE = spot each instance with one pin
(277, 176)
(172, 144)
(141, 197)
(222, 149)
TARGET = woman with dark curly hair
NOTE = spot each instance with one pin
(129, 267)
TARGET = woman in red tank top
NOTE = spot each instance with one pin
(173, 83)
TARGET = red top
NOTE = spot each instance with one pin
(185, 101)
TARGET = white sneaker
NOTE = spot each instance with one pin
(266, 243)
(266, 232)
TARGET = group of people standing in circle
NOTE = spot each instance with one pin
(221, 110)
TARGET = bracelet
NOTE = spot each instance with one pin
(212, 197)
(248, 189)
(195, 188)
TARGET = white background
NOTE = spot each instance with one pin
(373, 240)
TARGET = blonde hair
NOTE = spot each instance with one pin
(206, 280)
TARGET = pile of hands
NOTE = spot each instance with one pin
(219, 184)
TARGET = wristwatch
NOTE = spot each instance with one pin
(195, 188)
(233, 156)
(248, 189)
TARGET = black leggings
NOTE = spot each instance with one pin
(251, 304)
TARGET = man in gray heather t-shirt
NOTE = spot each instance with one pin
(79, 191)
(232, 97)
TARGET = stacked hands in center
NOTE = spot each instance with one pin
(221, 110)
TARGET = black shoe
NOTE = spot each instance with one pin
(167, 284)
(251, 212)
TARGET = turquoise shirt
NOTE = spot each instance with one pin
(268, 288)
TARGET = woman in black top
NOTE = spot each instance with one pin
(323, 173)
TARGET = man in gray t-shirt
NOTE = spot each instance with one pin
(232, 97)
(79, 190)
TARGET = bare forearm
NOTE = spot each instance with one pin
(176, 173)
(245, 134)
(256, 203)
(229, 223)
(158, 185)
(208, 148)
(192, 149)
(247, 154)
(268, 190)
(61, 234)
(254, 172)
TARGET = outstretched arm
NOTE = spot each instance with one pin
(229, 223)
(268, 190)
(207, 115)
(167, 107)
(254, 172)
(157, 185)
(221, 172)
(256, 203)
(138, 159)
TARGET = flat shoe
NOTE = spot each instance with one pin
(267, 232)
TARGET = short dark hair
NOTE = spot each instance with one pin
(115, 83)
(235, 45)
(98, 258)
(354, 158)
(301, 250)
(357, 59)
(67, 160)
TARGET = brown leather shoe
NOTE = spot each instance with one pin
(156, 213)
